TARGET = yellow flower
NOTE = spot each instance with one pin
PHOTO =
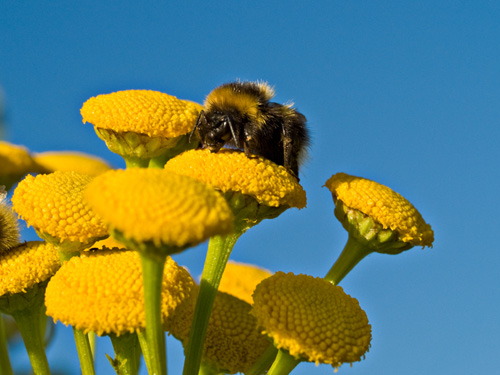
(53, 204)
(141, 123)
(26, 265)
(233, 342)
(15, 162)
(158, 206)
(312, 319)
(9, 228)
(382, 204)
(103, 292)
(71, 161)
(240, 279)
(229, 170)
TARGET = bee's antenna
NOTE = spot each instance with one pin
(197, 124)
(236, 143)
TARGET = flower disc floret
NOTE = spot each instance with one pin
(146, 112)
(53, 204)
(230, 170)
(240, 279)
(233, 342)
(159, 206)
(26, 265)
(14, 159)
(384, 205)
(71, 161)
(312, 318)
(103, 292)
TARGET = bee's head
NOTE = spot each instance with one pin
(215, 129)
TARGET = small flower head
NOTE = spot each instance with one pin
(71, 161)
(240, 279)
(376, 210)
(312, 318)
(103, 292)
(233, 342)
(140, 123)
(53, 204)
(153, 205)
(15, 162)
(26, 265)
(232, 171)
(9, 228)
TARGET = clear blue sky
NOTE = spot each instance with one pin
(405, 93)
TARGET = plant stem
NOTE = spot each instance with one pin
(153, 264)
(219, 250)
(127, 354)
(29, 322)
(5, 366)
(353, 253)
(135, 162)
(84, 352)
(284, 364)
(264, 362)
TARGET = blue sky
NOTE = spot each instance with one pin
(405, 93)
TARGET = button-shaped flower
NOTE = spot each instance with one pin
(240, 279)
(102, 292)
(141, 124)
(157, 206)
(15, 162)
(53, 204)
(312, 319)
(383, 205)
(233, 342)
(66, 161)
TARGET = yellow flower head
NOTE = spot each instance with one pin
(15, 162)
(158, 206)
(26, 265)
(240, 279)
(233, 342)
(233, 171)
(382, 204)
(53, 204)
(312, 318)
(71, 161)
(9, 228)
(141, 111)
(141, 124)
(103, 292)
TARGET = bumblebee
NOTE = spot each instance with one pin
(240, 115)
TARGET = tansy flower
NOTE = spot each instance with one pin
(312, 319)
(240, 279)
(157, 213)
(24, 271)
(233, 342)
(102, 292)
(15, 162)
(53, 204)
(150, 205)
(377, 219)
(142, 124)
(9, 228)
(66, 161)
(256, 189)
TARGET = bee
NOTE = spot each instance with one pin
(240, 115)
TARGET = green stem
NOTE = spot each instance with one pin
(284, 364)
(264, 362)
(219, 250)
(5, 366)
(84, 352)
(153, 264)
(127, 354)
(354, 251)
(134, 162)
(29, 322)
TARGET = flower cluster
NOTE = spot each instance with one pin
(104, 262)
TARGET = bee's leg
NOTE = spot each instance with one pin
(201, 119)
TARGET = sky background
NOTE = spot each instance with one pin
(404, 93)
